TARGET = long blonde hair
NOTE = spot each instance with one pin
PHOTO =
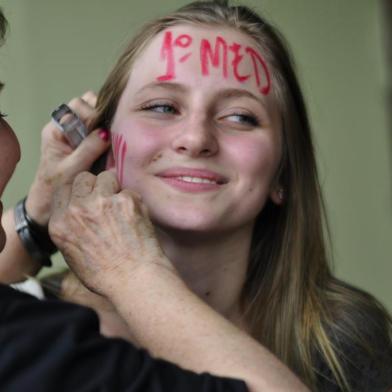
(290, 299)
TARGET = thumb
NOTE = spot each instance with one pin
(89, 150)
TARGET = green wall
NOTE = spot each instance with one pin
(58, 49)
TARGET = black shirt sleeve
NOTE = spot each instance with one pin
(56, 346)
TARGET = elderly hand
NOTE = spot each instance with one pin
(59, 162)
(105, 234)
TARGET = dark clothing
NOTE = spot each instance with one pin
(364, 374)
(56, 346)
(362, 338)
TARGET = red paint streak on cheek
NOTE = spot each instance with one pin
(123, 152)
(119, 152)
(208, 55)
(115, 151)
(256, 58)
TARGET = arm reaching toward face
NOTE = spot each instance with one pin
(109, 242)
(59, 162)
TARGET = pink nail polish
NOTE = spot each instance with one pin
(104, 134)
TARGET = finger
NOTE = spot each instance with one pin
(70, 286)
(131, 194)
(60, 199)
(89, 150)
(90, 97)
(106, 184)
(144, 210)
(83, 109)
(134, 198)
(82, 186)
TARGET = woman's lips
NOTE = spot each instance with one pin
(192, 180)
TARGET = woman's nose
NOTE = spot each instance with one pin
(196, 138)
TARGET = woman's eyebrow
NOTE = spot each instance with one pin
(162, 85)
(239, 93)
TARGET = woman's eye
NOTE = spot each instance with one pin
(244, 119)
(161, 108)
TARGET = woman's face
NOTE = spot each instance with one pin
(9, 157)
(196, 131)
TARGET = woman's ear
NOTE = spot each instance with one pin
(277, 195)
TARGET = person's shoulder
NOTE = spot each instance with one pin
(360, 329)
(8, 295)
(357, 311)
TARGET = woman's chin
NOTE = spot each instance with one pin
(185, 223)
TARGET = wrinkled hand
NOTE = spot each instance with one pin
(105, 234)
(59, 162)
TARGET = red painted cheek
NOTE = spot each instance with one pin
(120, 148)
(252, 157)
(143, 144)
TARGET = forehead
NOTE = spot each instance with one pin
(203, 55)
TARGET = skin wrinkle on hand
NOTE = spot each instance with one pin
(217, 57)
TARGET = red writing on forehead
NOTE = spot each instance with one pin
(119, 151)
(167, 53)
(207, 55)
(215, 55)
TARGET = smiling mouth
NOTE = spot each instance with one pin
(198, 180)
(193, 175)
(193, 180)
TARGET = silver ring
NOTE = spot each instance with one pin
(69, 123)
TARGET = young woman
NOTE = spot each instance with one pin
(47, 345)
(210, 133)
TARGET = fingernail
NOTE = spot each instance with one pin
(104, 134)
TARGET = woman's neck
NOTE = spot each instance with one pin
(213, 266)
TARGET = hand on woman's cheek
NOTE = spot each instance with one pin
(105, 235)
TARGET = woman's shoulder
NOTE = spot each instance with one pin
(360, 329)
